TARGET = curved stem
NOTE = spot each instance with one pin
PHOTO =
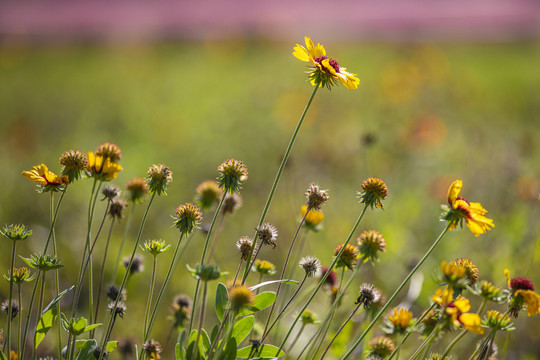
(321, 282)
(381, 312)
(278, 175)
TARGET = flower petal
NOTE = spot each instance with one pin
(453, 192)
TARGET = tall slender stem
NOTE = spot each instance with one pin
(102, 274)
(295, 340)
(122, 243)
(150, 293)
(215, 241)
(10, 303)
(340, 329)
(56, 279)
(278, 175)
(40, 307)
(201, 317)
(381, 312)
(29, 313)
(422, 346)
(321, 282)
(20, 321)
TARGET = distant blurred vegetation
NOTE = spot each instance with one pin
(424, 115)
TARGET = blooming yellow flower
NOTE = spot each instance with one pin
(325, 71)
(457, 311)
(102, 167)
(461, 209)
(48, 179)
(523, 293)
(313, 217)
(401, 318)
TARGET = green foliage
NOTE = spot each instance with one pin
(222, 298)
(264, 351)
(87, 350)
(78, 326)
(44, 324)
(262, 301)
(242, 328)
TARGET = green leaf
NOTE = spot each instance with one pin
(111, 345)
(204, 342)
(44, 324)
(180, 352)
(213, 335)
(56, 299)
(242, 328)
(265, 351)
(192, 272)
(262, 301)
(283, 281)
(87, 350)
(91, 327)
(78, 325)
(2, 356)
(230, 350)
(222, 298)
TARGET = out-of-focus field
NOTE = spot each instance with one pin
(423, 116)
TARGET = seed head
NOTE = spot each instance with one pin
(311, 265)
(370, 244)
(309, 317)
(367, 296)
(245, 244)
(233, 174)
(268, 234)
(74, 163)
(110, 192)
(471, 271)
(152, 349)
(112, 293)
(14, 308)
(264, 267)
(231, 203)
(207, 272)
(208, 194)
(111, 151)
(119, 310)
(137, 265)
(316, 197)
(188, 216)
(348, 257)
(381, 346)
(241, 296)
(155, 247)
(181, 310)
(16, 232)
(137, 189)
(373, 191)
(521, 283)
(159, 176)
(116, 209)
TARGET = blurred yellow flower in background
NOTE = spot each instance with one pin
(42, 175)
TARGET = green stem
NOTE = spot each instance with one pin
(40, 307)
(122, 243)
(10, 303)
(381, 312)
(29, 313)
(295, 340)
(20, 321)
(422, 346)
(201, 318)
(54, 221)
(483, 344)
(56, 279)
(341, 329)
(278, 176)
(150, 293)
(321, 282)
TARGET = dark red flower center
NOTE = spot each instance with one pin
(521, 283)
(333, 63)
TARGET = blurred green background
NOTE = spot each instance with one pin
(424, 115)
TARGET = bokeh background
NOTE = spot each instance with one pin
(448, 90)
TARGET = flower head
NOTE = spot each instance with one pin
(268, 234)
(522, 295)
(312, 219)
(152, 350)
(155, 247)
(74, 162)
(311, 265)
(16, 232)
(181, 310)
(101, 167)
(111, 151)
(233, 174)
(316, 197)
(460, 209)
(159, 177)
(19, 275)
(399, 322)
(207, 272)
(348, 257)
(42, 262)
(471, 271)
(496, 320)
(119, 309)
(47, 180)
(110, 192)
(453, 275)
(14, 308)
(188, 216)
(136, 266)
(309, 317)
(113, 292)
(137, 189)
(381, 346)
(489, 291)
(264, 267)
(325, 71)
(116, 208)
(231, 203)
(331, 279)
(245, 246)
(207, 194)
(367, 296)
(456, 312)
(241, 296)
(370, 244)
(373, 191)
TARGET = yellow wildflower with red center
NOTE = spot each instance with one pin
(47, 179)
(522, 294)
(457, 312)
(325, 71)
(461, 209)
(102, 167)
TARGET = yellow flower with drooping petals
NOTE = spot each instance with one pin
(102, 167)
(461, 209)
(325, 71)
(313, 217)
(522, 294)
(457, 311)
(47, 179)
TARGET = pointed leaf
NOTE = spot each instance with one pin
(44, 324)
(222, 298)
(56, 299)
(230, 350)
(283, 281)
(2, 356)
(111, 345)
(265, 351)
(180, 352)
(242, 328)
(262, 301)
(87, 351)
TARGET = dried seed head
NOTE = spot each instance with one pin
(233, 174)
(373, 191)
(208, 194)
(241, 296)
(367, 296)
(370, 244)
(188, 216)
(348, 257)
(311, 265)
(111, 151)
(117, 208)
(159, 176)
(119, 310)
(112, 293)
(245, 244)
(381, 346)
(137, 265)
(110, 192)
(268, 234)
(137, 189)
(316, 197)
(74, 163)
(152, 349)
(182, 301)
(14, 308)
(231, 203)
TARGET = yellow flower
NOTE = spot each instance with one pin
(522, 294)
(443, 297)
(325, 71)
(313, 218)
(461, 209)
(48, 179)
(401, 318)
(457, 311)
(102, 167)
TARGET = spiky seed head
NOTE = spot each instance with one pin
(373, 191)
(471, 271)
(112, 293)
(381, 346)
(110, 192)
(14, 308)
(241, 296)
(367, 295)
(207, 194)
(268, 234)
(159, 177)
(74, 163)
(231, 203)
(116, 209)
(137, 189)
(188, 216)
(264, 267)
(137, 264)
(370, 244)
(245, 245)
(119, 310)
(111, 151)
(348, 257)
(232, 174)
(16, 232)
(311, 265)
(152, 350)
(316, 197)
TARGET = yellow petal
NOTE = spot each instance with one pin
(463, 305)
(532, 299)
(507, 274)
(301, 53)
(453, 192)
(314, 51)
(472, 322)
